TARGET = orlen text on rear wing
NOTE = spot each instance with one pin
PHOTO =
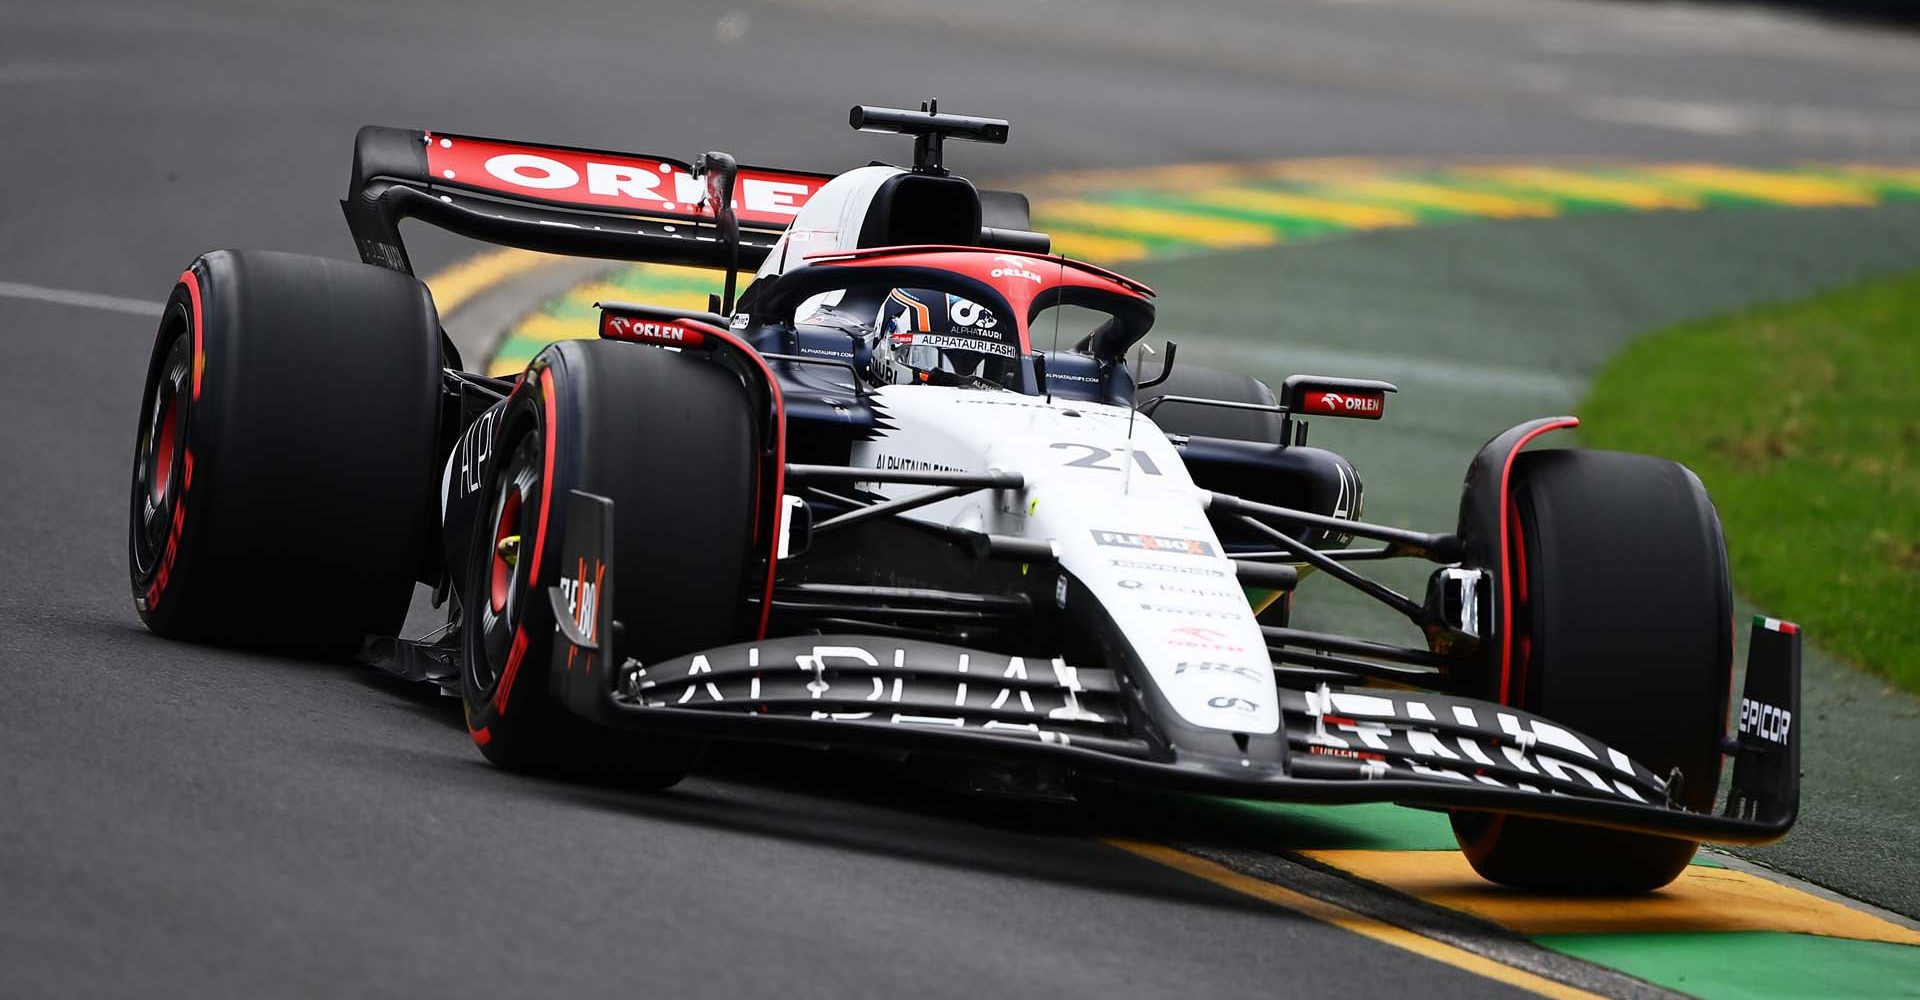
(558, 199)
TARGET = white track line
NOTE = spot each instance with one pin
(86, 300)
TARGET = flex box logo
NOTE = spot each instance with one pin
(1153, 543)
(611, 180)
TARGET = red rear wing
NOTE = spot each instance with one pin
(599, 181)
(559, 199)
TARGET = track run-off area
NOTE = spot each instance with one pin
(1221, 235)
(1117, 217)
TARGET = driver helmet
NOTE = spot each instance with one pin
(938, 338)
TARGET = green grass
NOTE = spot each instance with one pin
(1804, 422)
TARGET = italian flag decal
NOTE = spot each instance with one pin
(1776, 625)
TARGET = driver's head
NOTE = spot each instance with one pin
(922, 334)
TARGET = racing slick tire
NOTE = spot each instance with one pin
(283, 477)
(1214, 421)
(672, 442)
(1621, 630)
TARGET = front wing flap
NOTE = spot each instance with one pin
(1344, 745)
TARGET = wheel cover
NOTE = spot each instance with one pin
(514, 510)
(506, 555)
(158, 454)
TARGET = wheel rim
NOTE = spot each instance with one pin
(159, 454)
(513, 515)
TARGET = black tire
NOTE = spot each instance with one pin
(284, 478)
(1214, 421)
(1623, 631)
(672, 442)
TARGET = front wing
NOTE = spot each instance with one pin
(1341, 746)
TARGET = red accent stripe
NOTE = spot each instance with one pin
(1519, 540)
(779, 477)
(777, 508)
(1517, 537)
(481, 736)
(546, 479)
(519, 650)
(1506, 581)
(192, 281)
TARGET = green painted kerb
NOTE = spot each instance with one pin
(1753, 965)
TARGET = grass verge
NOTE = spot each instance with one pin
(1804, 422)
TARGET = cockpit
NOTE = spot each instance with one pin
(920, 336)
(968, 317)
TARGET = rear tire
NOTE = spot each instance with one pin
(284, 479)
(1622, 630)
(672, 442)
(1214, 421)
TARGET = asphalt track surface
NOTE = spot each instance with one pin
(182, 821)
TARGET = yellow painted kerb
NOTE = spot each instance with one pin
(458, 284)
(1349, 920)
(1702, 899)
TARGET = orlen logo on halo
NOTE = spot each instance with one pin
(633, 183)
(1363, 405)
(1015, 267)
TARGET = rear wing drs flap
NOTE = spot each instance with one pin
(561, 199)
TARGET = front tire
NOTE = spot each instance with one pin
(672, 442)
(1622, 630)
(284, 480)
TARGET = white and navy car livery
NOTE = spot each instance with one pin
(823, 513)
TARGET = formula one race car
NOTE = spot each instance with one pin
(861, 507)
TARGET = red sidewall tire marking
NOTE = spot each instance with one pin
(514, 656)
(504, 689)
(192, 281)
(1512, 562)
(1506, 578)
(163, 571)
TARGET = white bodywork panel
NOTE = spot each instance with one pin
(829, 222)
(1130, 525)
